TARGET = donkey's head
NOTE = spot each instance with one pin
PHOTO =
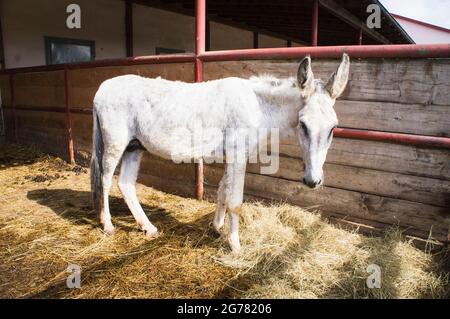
(317, 118)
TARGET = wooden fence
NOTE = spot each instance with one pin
(370, 183)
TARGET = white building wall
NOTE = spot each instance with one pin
(224, 37)
(265, 41)
(158, 28)
(26, 22)
(422, 34)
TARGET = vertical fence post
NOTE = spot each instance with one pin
(199, 49)
(255, 40)
(13, 107)
(129, 27)
(67, 89)
(315, 22)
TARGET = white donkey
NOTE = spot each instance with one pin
(133, 114)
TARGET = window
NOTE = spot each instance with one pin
(60, 50)
(159, 50)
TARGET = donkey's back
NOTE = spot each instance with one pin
(132, 107)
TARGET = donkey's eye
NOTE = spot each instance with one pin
(304, 128)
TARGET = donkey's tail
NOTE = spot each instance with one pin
(96, 165)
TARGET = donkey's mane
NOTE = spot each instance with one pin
(274, 90)
(269, 84)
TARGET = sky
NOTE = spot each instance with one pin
(436, 12)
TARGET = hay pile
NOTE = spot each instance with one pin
(46, 223)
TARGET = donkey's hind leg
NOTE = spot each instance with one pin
(127, 185)
(110, 161)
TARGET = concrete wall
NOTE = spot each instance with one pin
(224, 37)
(25, 23)
(158, 28)
(266, 41)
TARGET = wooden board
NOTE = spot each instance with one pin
(184, 188)
(349, 203)
(85, 82)
(5, 90)
(40, 89)
(420, 119)
(9, 124)
(364, 226)
(393, 185)
(410, 81)
(386, 157)
(46, 130)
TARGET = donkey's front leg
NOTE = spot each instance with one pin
(221, 205)
(234, 202)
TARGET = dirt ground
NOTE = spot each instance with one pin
(47, 224)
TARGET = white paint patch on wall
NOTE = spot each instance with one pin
(26, 22)
(158, 28)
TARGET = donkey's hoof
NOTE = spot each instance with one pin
(109, 229)
(214, 233)
(217, 225)
(151, 232)
(235, 245)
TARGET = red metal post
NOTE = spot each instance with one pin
(315, 22)
(199, 50)
(255, 40)
(69, 115)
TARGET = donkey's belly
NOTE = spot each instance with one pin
(181, 145)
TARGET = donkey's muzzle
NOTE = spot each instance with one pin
(311, 183)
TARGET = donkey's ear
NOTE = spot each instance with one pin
(337, 82)
(305, 77)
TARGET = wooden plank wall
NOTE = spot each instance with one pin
(371, 183)
(47, 130)
(157, 172)
(5, 92)
(367, 182)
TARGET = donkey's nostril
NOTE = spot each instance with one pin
(311, 184)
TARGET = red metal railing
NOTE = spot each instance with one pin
(354, 51)
(200, 56)
(400, 138)
(137, 60)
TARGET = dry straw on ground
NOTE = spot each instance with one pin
(46, 223)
